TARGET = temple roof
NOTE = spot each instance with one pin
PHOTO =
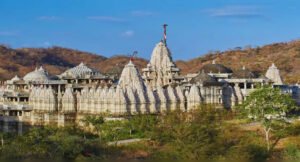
(37, 75)
(244, 73)
(205, 79)
(131, 78)
(216, 68)
(15, 79)
(79, 71)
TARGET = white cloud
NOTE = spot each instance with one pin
(241, 12)
(106, 18)
(47, 44)
(142, 13)
(48, 18)
(128, 33)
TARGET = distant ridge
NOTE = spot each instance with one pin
(286, 56)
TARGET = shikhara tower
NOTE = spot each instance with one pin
(161, 70)
(274, 74)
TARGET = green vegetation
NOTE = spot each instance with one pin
(271, 108)
(206, 134)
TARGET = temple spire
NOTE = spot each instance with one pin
(214, 61)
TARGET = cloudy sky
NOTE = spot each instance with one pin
(110, 27)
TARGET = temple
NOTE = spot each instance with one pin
(161, 70)
(40, 98)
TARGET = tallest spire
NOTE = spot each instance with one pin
(165, 34)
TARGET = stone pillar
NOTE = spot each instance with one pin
(60, 120)
(212, 95)
(245, 89)
(252, 86)
(46, 118)
(32, 118)
(59, 88)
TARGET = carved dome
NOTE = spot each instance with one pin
(243, 73)
(216, 68)
(205, 79)
(79, 71)
(15, 79)
(37, 75)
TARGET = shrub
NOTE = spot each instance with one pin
(291, 152)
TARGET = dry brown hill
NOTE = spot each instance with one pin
(286, 56)
(57, 59)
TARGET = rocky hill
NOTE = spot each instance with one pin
(57, 59)
(286, 56)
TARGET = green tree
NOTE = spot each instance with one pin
(95, 121)
(271, 108)
(195, 135)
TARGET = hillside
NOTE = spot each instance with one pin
(286, 56)
(57, 59)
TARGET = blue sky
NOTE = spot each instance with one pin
(110, 27)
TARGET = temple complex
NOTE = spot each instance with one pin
(40, 98)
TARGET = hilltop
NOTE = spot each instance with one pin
(55, 59)
(286, 56)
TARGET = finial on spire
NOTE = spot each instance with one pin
(81, 64)
(214, 62)
(41, 68)
(134, 54)
(165, 34)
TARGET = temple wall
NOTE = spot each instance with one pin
(118, 101)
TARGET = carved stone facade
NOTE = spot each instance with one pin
(42, 98)
(161, 70)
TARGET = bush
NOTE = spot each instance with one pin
(291, 152)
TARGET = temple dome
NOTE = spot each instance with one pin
(203, 78)
(216, 68)
(243, 73)
(79, 71)
(15, 79)
(37, 75)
